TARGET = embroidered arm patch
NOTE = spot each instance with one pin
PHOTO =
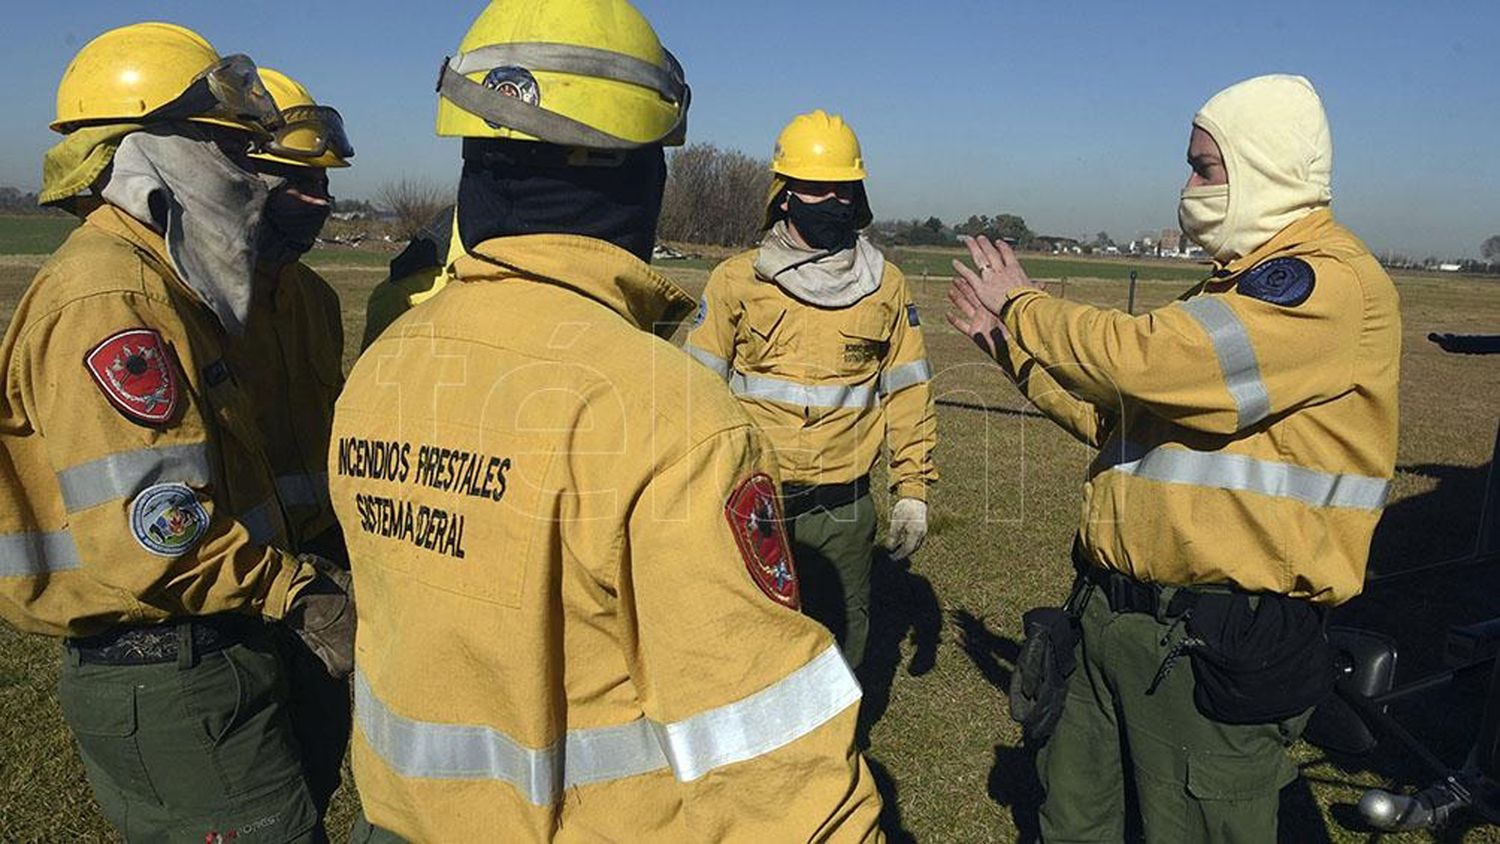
(754, 515)
(911, 316)
(1281, 281)
(133, 370)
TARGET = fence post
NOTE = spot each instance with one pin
(1130, 304)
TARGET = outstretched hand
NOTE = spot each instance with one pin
(999, 272)
(969, 316)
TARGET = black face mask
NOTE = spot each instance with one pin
(289, 228)
(826, 225)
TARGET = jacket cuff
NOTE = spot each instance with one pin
(291, 577)
(911, 489)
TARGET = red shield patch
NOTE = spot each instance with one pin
(134, 372)
(754, 514)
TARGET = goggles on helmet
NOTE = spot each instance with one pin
(513, 113)
(230, 90)
(309, 132)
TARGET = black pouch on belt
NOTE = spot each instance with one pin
(1260, 661)
(1039, 684)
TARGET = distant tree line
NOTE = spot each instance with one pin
(714, 196)
(14, 201)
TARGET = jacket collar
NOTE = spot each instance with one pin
(1311, 227)
(593, 268)
(115, 221)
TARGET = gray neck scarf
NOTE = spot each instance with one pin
(825, 279)
(175, 179)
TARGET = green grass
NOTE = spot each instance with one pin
(36, 234)
(946, 627)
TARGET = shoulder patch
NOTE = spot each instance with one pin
(911, 316)
(168, 519)
(1281, 281)
(702, 313)
(134, 371)
(754, 514)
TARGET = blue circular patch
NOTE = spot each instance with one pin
(516, 82)
(1281, 281)
(702, 312)
(168, 519)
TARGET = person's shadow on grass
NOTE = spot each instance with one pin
(902, 605)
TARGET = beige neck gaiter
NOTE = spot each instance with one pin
(1274, 137)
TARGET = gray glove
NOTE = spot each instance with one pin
(322, 616)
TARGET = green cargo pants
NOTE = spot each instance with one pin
(197, 750)
(833, 550)
(1195, 779)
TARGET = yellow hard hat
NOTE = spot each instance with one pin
(152, 72)
(818, 147)
(311, 136)
(579, 73)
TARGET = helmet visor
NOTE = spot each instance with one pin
(231, 90)
(310, 132)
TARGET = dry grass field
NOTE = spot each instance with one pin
(947, 626)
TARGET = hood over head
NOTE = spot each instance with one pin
(1273, 134)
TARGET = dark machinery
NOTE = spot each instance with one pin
(1357, 717)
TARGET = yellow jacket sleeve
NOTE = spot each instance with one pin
(763, 741)
(105, 465)
(393, 297)
(906, 385)
(1082, 420)
(711, 339)
(1215, 362)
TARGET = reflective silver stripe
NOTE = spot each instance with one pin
(771, 718)
(899, 378)
(805, 395)
(31, 554)
(260, 522)
(708, 359)
(1219, 470)
(1236, 356)
(303, 490)
(428, 750)
(124, 474)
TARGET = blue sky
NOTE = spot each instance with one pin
(1073, 114)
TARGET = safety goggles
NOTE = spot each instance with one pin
(309, 132)
(500, 110)
(230, 90)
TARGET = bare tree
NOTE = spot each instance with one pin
(1490, 249)
(414, 202)
(714, 196)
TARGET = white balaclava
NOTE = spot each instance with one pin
(1274, 137)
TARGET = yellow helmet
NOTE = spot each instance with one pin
(311, 135)
(150, 72)
(579, 73)
(818, 147)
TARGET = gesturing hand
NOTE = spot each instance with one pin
(999, 272)
(969, 316)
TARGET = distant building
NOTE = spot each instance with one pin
(1450, 268)
(1170, 243)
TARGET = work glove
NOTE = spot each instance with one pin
(322, 616)
(908, 527)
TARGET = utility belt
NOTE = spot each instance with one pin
(800, 499)
(1257, 657)
(170, 641)
(1125, 594)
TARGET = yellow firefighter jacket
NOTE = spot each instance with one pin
(577, 612)
(1247, 432)
(135, 485)
(290, 363)
(826, 385)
